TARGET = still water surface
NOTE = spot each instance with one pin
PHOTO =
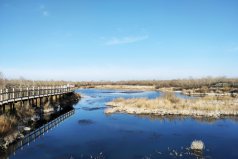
(90, 133)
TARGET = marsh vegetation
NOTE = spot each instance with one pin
(169, 104)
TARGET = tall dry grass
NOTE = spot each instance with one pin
(170, 104)
(7, 123)
(24, 112)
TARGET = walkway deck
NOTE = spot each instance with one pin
(21, 94)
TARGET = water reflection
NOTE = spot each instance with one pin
(37, 133)
(85, 122)
(172, 118)
(89, 133)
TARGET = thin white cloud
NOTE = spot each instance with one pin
(126, 40)
(42, 6)
(44, 11)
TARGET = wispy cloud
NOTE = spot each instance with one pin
(44, 11)
(42, 6)
(126, 40)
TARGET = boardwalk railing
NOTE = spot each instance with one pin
(13, 95)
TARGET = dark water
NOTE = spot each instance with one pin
(89, 133)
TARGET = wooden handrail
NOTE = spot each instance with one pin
(16, 93)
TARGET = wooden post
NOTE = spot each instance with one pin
(33, 91)
(35, 102)
(51, 99)
(27, 92)
(10, 105)
(40, 101)
(43, 91)
(7, 95)
(3, 108)
(20, 93)
(13, 105)
(13, 93)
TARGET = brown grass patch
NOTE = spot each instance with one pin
(7, 123)
(170, 104)
(24, 112)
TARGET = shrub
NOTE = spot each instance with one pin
(197, 145)
(171, 97)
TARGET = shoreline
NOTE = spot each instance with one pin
(125, 87)
(184, 91)
(34, 121)
(164, 113)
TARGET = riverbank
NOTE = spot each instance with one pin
(169, 104)
(198, 92)
(15, 125)
(126, 87)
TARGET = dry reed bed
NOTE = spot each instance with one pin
(6, 124)
(169, 104)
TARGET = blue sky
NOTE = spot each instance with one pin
(118, 39)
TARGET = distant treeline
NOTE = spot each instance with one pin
(180, 83)
(22, 82)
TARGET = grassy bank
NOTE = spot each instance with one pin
(169, 104)
(7, 123)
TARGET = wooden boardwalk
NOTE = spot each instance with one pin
(22, 94)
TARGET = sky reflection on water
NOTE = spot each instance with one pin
(90, 132)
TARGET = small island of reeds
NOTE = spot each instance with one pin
(170, 104)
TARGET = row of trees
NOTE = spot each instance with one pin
(22, 82)
(198, 83)
(180, 83)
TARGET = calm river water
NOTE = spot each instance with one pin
(89, 133)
